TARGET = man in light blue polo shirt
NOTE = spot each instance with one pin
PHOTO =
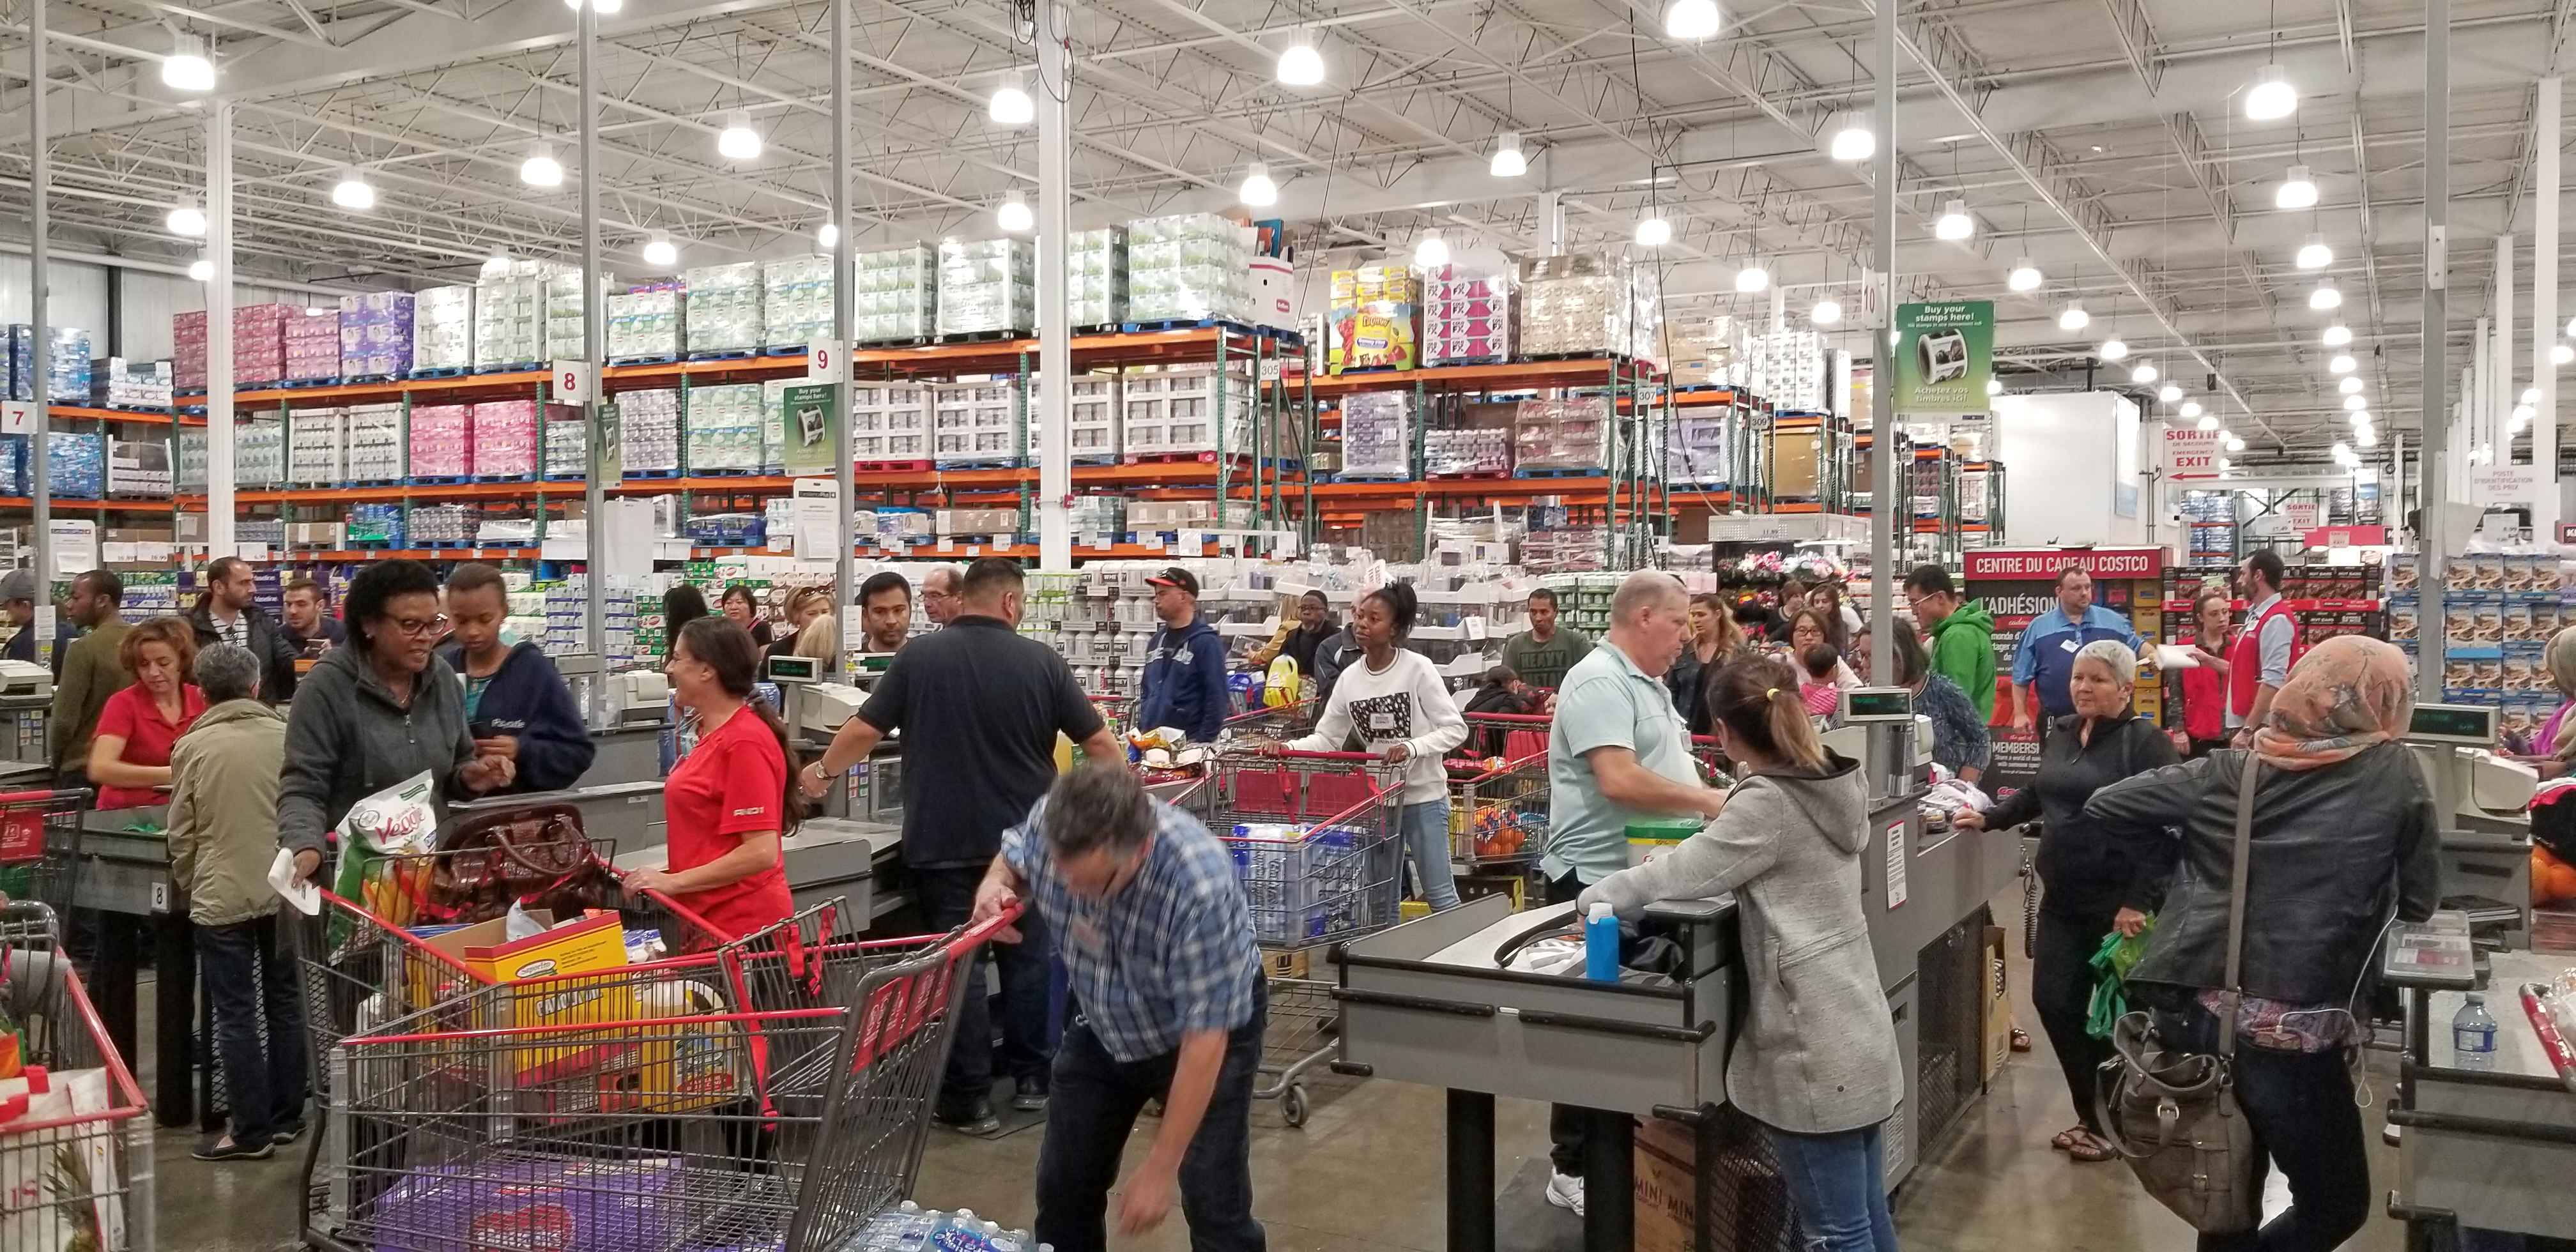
(1617, 752)
(2046, 658)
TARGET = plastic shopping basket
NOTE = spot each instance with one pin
(40, 845)
(75, 1160)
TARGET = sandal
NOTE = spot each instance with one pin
(2065, 1140)
(2088, 1146)
(2020, 1040)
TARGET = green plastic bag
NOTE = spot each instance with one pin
(2110, 978)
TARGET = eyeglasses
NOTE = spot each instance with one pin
(938, 595)
(419, 629)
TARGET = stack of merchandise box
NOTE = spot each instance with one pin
(1210, 410)
(1098, 515)
(902, 528)
(259, 343)
(723, 314)
(443, 330)
(796, 302)
(77, 465)
(148, 594)
(312, 344)
(1375, 322)
(1000, 525)
(139, 467)
(1574, 305)
(1456, 453)
(644, 324)
(987, 287)
(1561, 434)
(974, 423)
(1192, 267)
(1377, 435)
(119, 383)
(729, 530)
(372, 446)
(494, 529)
(443, 525)
(376, 334)
(442, 446)
(188, 472)
(259, 451)
(1096, 277)
(1705, 356)
(1696, 448)
(889, 422)
(510, 314)
(2212, 520)
(504, 438)
(375, 525)
(567, 616)
(1095, 410)
(1787, 368)
(724, 429)
(66, 365)
(315, 439)
(1564, 548)
(897, 296)
(564, 315)
(649, 428)
(1466, 316)
(188, 352)
(568, 447)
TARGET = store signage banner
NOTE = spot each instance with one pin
(2188, 453)
(2303, 515)
(813, 442)
(817, 514)
(2044, 563)
(2491, 485)
(1945, 352)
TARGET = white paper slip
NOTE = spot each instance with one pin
(2171, 657)
(306, 897)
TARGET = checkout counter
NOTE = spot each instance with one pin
(2483, 800)
(1431, 1001)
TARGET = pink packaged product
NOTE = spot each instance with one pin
(1478, 307)
(534, 1204)
(505, 438)
(188, 352)
(312, 344)
(440, 447)
(259, 342)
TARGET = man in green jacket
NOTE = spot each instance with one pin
(93, 670)
(1961, 633)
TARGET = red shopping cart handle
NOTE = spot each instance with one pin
(1318, 756)
(981, 933)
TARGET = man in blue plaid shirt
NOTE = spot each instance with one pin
(1169, 1004)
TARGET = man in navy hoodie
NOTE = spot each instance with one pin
(516, 705)
(1185, 668)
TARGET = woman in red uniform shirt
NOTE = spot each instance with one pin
(729, 802)
(129, 760)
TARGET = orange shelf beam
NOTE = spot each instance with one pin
(1523, 376)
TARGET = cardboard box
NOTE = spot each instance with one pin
(1667, 1205)
(1747, 1198)
(594, 943)
(1999, 1017)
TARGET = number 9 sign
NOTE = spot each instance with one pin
(826, 361)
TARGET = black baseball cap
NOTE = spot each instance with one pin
(1175, 576)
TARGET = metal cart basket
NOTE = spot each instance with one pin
(76, 1159)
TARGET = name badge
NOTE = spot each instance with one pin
(1381, 721)
(2069, 646)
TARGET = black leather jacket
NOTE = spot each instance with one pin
(2335, 850)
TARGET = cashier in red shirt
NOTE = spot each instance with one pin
(728, 802)
(129, 760)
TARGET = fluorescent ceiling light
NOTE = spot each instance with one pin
(2169, 393)
(2145, 373)
(2337, 335)
(828, 235)
(201, 270)
(1854, 142)
(1431, 251)
(1994, 386)
(1257, 190)
(2114, 350)
(541, 169)
(738, 141)
(1014, 215)
(1654, 232)
(2356, 402)
(2235, 443)
(2073, 317)
(2025, 276)
(1692, 19)
(2314, 254)
(2271, 97)
(658, 250)
(2297, 190)
(2190, 408)
(186, 68)
(2351, 385)
(350, 191)
(2325, 296)
(2341, 364)
(186, 220)
(1752, 278)
(1011, 105)
(1301, 65)
(1509, 161)
(1826, 312)
(1954, 223)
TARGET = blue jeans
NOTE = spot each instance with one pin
(1095, 1101)
(1837, 1183)
(2306, 1125)
(946, 898)
(1426, 834)
(246, 970)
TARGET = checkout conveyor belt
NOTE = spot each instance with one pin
(2484, 1147)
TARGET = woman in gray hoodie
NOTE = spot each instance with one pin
(1817, 1062)
(376, 712)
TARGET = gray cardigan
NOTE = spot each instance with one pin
(347, 738)
(1818, 1051)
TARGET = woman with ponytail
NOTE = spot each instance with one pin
(1395, 702)
(731, 800)
(1817, 1063)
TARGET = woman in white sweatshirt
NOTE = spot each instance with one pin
(1395, 702)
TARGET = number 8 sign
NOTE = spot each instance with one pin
(575, 382)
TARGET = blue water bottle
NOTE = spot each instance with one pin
(1601, 945)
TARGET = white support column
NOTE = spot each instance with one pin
(219, 330)
(594, 493)
(2479, 394)
(2502, 393)
(2544, 307)
(1055, 334)
(2434, 540)
(39, 294)
(1882, 391)
(1551, 212)
(844, 327)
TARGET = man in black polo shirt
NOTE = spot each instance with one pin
(979, 708)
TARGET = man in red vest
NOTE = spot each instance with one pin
(2259, 661)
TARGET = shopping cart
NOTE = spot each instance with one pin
(1510, 736)
(76, 1161)
(1316, 846)
(1273, 723)
(40, 845)
(784, 1119)
(1498, 811)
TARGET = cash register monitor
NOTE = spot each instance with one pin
(1878, 704)
(2468, 725)
(794, 669)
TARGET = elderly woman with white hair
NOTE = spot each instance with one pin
(2091, 884)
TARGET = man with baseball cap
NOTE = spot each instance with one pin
(18, 594)
(1185, 668)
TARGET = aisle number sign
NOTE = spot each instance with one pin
(825, 362)
(17, 417)
(2188, 453)
(575, 382)
(1945, 352)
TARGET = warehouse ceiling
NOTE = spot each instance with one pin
(2107, 140)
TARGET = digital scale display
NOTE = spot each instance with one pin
(795, 669)
(1875, 704)
(2453, 723)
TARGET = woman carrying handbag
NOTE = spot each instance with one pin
(2340, 835)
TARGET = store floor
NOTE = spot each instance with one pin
(1365, 1172)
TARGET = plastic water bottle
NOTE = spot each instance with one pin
(2473, 1034)
(1601, 945)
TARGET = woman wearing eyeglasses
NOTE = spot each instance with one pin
(376, 712)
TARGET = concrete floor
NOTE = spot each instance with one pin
(1366, 1172)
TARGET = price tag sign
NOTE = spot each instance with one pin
(17, 417)
(826, 361)
(1192, 542)
(1101, 542)
(575, 382)
(948, 545)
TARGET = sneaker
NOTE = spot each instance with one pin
(976, 1119)
(222, 1148)
(1565, 1191)
(287, 1131)
(1032, 1096)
